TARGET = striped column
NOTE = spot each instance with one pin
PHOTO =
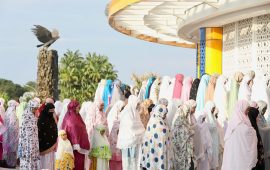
(209, 51)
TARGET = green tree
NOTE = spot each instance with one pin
(10, 90)
(79, 76)
(31, 86)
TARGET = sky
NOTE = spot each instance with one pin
(82, 26)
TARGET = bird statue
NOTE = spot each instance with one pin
(45, 36)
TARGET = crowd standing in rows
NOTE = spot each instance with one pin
(177, 123)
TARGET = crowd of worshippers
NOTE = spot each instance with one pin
(177, 123)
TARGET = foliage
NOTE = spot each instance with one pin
(9, 90)
(138, 79)
(31, 86)
(80, 76)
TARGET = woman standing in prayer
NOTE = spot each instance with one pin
(100, 153)
(209, 110)
(85, 109)
(94, 117)
(264, 130)
(148, 87)
(204, 154)
(113, 126)
(156, 146)
(177, 90)
(194, 89)
(144, 113)
(253, 114)
(240, 150)
(210, 90)
(245, 88)
(130, 135)
(64, 157)
(11, 136)
(63, 113)
(107, 94)
(233, 94)
(200, 99)
(47, 135)
(155, 88)
(76, 133)
(28, 139)
(187, 84)
(183, 141)
(173, 106)
(100, 90)
(164, 87)
(117, 93)
(220, 99)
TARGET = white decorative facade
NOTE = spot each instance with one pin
(246, 45)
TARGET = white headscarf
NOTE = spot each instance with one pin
(142, 91)
(58, 107)
(173, 106)
(64, 146)
(208, 111)
(100, 90)
(99, 140)
(261, 91)
(220, 99)
(164, 87)
(154, 91)
(131, 129)
(63, 112)
(85, 109)
(244, 89)
(114, 114)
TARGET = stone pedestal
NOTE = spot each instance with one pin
(47, 76)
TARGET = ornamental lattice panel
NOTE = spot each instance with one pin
(262, 43)
(246, 45)
(228, 62)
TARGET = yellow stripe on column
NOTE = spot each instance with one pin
(213, 51)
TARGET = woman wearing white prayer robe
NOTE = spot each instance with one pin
(220, 99)
(240, 152)
(261, 91)
(63, 113)
(213, 128)
(245, 88)
(164, 87)
(131, 132)
(85, 109)
(205, 158)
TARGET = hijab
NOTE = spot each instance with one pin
(187, 84)
(131, 129)
(201, 92)
(156, 145)
(178, 86)
(75, 127)
(253, 114)
(194, 89)
(114, 114)
(117, 93)
(100, 90)
(58, 107)
(148, 87)
(182, 139)
(47, 128)
(164, 87)
(220, 99)
(63, 112)
(155, 88)
(233, 94)
(107, 94)
(210, 90)
(64, 146)
(239, 116)
(244, 89)
(144, 113)
(28, 136)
